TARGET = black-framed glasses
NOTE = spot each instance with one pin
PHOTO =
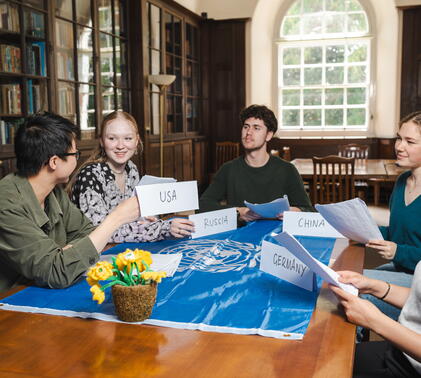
(76, 154)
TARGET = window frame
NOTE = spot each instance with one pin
(311, 132)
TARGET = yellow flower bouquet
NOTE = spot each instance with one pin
(129, 274)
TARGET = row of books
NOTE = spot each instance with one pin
(34, 24)
(35, 58)
(37, 97)
(9, 17)
(10, 99)
(10, 58)
(66, 101)
(8, 131)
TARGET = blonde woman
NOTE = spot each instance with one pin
(108, 177)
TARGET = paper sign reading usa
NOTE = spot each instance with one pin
(214, 222)
(167, 198)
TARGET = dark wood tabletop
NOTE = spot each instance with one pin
(58, 346)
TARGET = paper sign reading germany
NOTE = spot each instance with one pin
(167, 198)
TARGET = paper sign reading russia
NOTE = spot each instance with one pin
(167, 198)
(308, 224)
(214, 222)
(279, 262)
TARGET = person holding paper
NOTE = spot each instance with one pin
(109, 176)
(402, 244)
(400, 354)
(44, 237)
(256, 177)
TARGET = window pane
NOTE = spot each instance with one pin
(354, 5)
(66, 100)
(291, 26)
(291, 76)
(155, 117)
(121, 66)
(335, 54)
(356, 96)
(291, 97)
(106, 59)
(313, 55)
(122, 99)
(291, 117)
(34, 23)
(357, 53)
(87, 106)
(334, 96)
(108, 104)
(335, 23)
(312, 6)
(357, 22)
(312, 76)
(335, 5)
(291, 56)
(312, 96)
(312, 25)
(356, 74)
(105, 16)
(312, 117)
(334, 117)
(85, 54)
(155, 62)
(334, 75)
(83, 12)
(295, 8)
(64, 9)
(356, 117)
(64, 50)
(169, 32)
(118, 18)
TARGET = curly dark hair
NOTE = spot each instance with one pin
(260, 112)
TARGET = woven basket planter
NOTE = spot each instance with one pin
(134, 303)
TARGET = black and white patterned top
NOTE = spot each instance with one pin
(96, 193)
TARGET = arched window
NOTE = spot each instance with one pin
(324, 54)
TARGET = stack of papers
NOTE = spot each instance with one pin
(150, 180)
(352, 219)
(270, 209)
(167, 263)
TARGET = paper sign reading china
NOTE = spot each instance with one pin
(167, 198)
(308, 224)
(328, 274)
(281, 263)
(214, 222)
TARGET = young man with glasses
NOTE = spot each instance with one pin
(44, 238)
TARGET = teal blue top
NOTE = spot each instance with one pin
(404, 226)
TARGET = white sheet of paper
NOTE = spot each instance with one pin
(214, 222)
(328, 274)
(308, 224)
(279, 262)
(352, 219)
(166, 262)
(159, 199)
(150, 180)
(269, 209)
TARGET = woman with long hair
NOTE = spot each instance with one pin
(108, 177)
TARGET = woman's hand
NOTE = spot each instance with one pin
(181, 227)
(384, 248)
(358, 311)
(280, 216)
(247, 215)
(364, 284)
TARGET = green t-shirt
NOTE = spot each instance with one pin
(31, 239)
(236, 181)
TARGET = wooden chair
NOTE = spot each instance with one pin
(333, 179)
(352, 150)
(225, 151)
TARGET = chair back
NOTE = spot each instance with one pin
(352, 150)
(225, 151)
(333, 179)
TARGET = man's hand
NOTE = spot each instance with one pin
(358, 311)
(247, 215)
(384, 248)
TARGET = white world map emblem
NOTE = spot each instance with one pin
(215, 256)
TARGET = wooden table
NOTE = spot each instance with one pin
(364, 168)
(56, 346)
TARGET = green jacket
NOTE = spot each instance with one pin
(31, 239)
(236, 181)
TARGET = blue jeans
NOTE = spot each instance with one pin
(388, 273)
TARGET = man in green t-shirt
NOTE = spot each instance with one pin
(256, 177)
(44, 237)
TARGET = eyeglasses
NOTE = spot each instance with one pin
(76, 154)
